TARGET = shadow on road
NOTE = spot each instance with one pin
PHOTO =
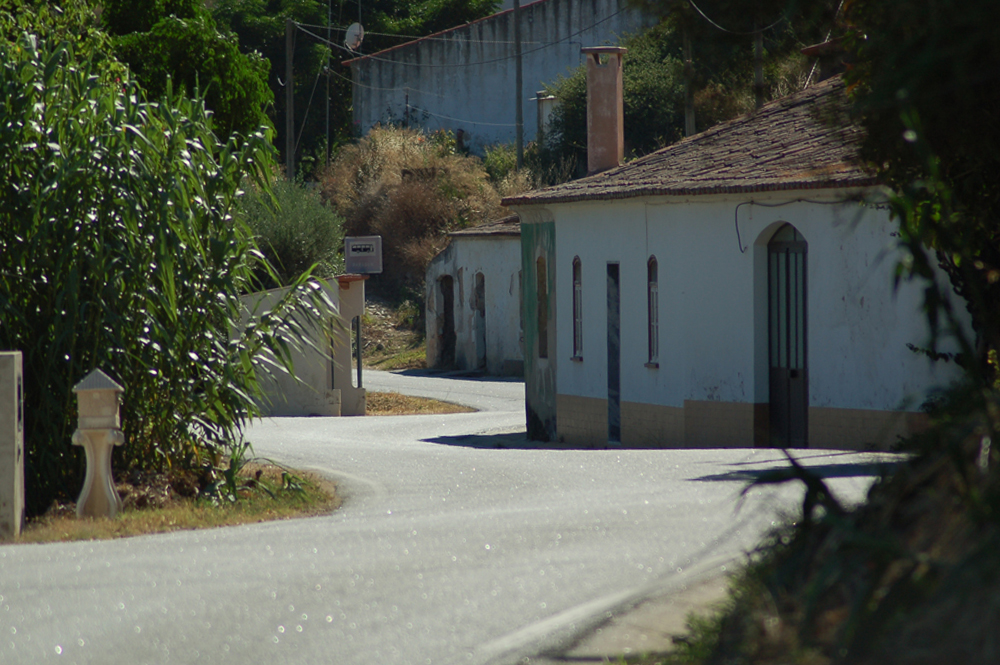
(775, 474)
(513, 441)
(477, 377)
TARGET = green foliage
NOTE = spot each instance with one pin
(260, 28)
(295, 232)
(176, 43)
(260, 25)
(120, 252)
(925, 84)
(500, 161)
(721, 73)
(653, 99)
(425, 17)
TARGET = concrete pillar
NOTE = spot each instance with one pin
(11, 445)
(352, 305)
(605, 108)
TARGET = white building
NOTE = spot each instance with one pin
(733, 289)
(473, 296)
(463, 79)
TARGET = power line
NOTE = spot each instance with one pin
(308, 106)
(470, 122)
(425, 38)
(404, 88)
(732, 32)
(461, 64)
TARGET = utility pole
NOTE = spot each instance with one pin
(689, 124)
(329, 39)
(289, 101)
(519, 113)
(758, 65)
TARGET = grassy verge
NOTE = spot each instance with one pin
(155, 506)
(408, 358)
(394, 404)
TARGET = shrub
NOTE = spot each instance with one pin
(411, 188)
(295, 232)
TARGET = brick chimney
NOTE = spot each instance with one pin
(605, 114)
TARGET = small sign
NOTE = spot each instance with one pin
(363, 255)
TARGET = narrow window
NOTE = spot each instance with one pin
(543, 307)
(577, 309)
(653, 297)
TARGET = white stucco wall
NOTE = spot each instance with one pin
(310, 392)
(465, 78)
(498, 258)
(713, 331)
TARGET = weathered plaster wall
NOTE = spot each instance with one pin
(465, 78)
(498, 259)
(538, 239)
(713, 304)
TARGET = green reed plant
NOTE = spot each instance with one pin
(120, 252)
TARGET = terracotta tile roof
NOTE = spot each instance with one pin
(508, 226)
(803, 141)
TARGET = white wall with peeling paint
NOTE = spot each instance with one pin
(498, 259)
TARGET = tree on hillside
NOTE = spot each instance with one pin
(721, 75)
(925, 80)
(260, 26)
(175, 44)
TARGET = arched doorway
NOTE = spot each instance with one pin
(787, 339)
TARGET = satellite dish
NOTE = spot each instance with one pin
(355, 35)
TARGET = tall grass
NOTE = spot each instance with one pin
(120, 252)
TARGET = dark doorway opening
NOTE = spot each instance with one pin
(614, 356)
(446, 349)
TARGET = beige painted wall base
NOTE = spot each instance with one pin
(583, 422)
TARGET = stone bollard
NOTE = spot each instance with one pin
(98, 430)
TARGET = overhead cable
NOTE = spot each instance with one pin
(457, 64)
(733, 32)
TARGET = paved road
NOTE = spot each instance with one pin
(456, 544)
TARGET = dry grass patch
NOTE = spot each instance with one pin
(157, 504)
(394, 404)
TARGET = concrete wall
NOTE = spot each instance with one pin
(322, 383)
(465, 78)
(498, 259)
(713, 317)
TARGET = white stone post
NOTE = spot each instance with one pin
(98, 431)
(11, 445)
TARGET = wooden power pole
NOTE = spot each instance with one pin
(518, 95)
(289, 101)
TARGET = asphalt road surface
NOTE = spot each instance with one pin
(456, 543)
